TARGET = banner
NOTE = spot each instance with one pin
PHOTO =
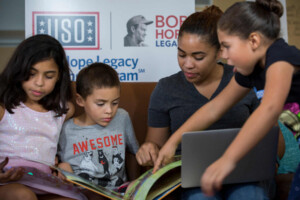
(138, 38)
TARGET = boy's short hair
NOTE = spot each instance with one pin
(96, 75)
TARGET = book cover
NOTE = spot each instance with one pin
(147, 186)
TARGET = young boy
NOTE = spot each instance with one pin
(94, 143)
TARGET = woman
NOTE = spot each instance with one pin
(178, 96)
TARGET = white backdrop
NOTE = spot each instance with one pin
(93, 31)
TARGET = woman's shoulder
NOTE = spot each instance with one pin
(171, 78)
(167, 83)
(228, 72)
(227, 68)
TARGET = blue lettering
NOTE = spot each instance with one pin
(106, 61)
(113, 62)
(165, 43)
(128, 76)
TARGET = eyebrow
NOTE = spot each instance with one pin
(223, 43)
(194, 53)
(47, 72)
(104, 100)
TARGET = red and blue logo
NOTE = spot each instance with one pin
(74, 30)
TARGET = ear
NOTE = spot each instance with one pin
(255, 40)
(80, 100)
(132, 28)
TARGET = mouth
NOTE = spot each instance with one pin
(36, 93)
(189, 75)
(107, 119)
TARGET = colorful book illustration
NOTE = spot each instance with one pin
(147, 186)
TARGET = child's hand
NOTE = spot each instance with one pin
(130, 185)
(12, 174)
(66, 167)
(165, 156)
(214, 175)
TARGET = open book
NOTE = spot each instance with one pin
(147, 186)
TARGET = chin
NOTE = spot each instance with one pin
(245, 73)
(103, 124)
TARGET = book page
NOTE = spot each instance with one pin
(144, 183)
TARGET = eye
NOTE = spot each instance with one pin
(32, 73)
(181, 55)
(49, 76)
(201, 58)
(115, 103)
(100, 104)
(225, 46)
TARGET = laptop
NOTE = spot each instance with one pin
(201, 148)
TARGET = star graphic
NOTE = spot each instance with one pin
(90, 31)
(42, 31)
(90, 23)
(90, 39)
(42, 23)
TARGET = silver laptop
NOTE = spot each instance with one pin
(201, 148)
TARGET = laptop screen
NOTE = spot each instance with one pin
(201, 148)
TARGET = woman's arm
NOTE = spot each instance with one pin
(203, 118)
(277, 87)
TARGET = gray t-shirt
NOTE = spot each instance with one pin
(97, 153)
(174, 100)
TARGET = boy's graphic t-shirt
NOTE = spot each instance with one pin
(97, 153)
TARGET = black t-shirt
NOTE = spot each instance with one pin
(278, 51)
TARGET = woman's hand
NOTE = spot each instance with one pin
(215, 174)
(12, 174)
(147, 154)
(165, 155)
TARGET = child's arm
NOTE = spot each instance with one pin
(62, 165)
(71, 110)
(12, 174)
(65, 166)
(155, 139)
(277, 87)
(203, 118)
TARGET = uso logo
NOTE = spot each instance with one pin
(74, 30)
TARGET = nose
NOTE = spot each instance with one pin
(188, 63)
(223, 53)
(108, 109)
(39, 80)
